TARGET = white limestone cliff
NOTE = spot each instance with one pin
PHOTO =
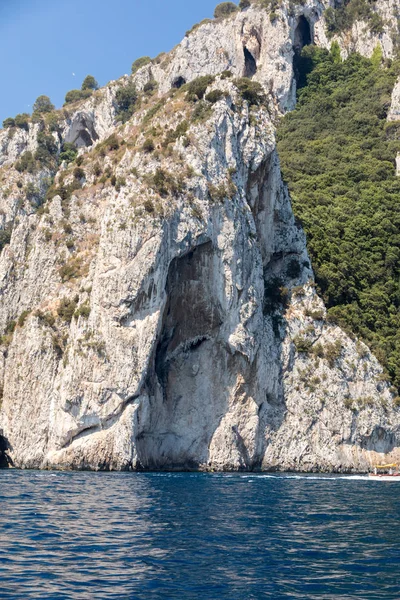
(181, 352)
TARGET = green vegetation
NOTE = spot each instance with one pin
(225, 9)
(76, 95)
(26, 163)
(214, 96)
(126, 98)
(68, 152)
(89, 83)
(83, 311)
(10, 122)
(22, 317)
(173, 134)
(148, 146)
(150, 87)
(338, 157)
(342, 18)
(22, 121)
(47, 149)
(197, 88)
(43, 104)
(165, 183)
(201, 112)
(303, 345)
(139, 63)
(5, 237)
(252, 91)
(88, 86)
(7, 337)
(71, 269)
(45, 155)
(67, 308)
(79, 173)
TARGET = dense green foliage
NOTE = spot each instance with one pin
(68, 152)
(252, 91)
(224, 10)
(43, 104)
(22, 121)
(76, 95)
(88, 86)
(9, 122)
(342, 18)
(46, 150)
(26, 163)
(89, 83)
(126, 98)
(197, 87)
(338, 158)
(139, 63)
(45, 155)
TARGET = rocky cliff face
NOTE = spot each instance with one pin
(160, 312)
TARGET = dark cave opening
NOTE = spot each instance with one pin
(250, 65)
(302, 34)
(302, 37)
(3, 449)
(178, 82)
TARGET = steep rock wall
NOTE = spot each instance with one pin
(194, 354)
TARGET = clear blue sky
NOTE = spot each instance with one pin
(43, 42)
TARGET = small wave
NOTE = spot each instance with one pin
(309, 477)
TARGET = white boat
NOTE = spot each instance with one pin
(385, 473)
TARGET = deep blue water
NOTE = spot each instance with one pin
(197, 536)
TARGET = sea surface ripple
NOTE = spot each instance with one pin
(197, 536)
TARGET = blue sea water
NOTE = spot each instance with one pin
(197, 536)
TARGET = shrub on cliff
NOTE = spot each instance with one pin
(148, 146)
(26, 163)
(126, 98)
(22, 121)
(225, 9)
(68, 152)
(5, 237)
(7, 123)
(67, 308)
(197, 88)
(76, 95)
(252, 91)
(150, 87)
(47, 149)
(214, 96)
(139, 63)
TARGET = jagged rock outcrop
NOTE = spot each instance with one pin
(161, 314)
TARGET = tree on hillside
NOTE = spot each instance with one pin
(89, 83)
(43, 104)
(224, 10)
